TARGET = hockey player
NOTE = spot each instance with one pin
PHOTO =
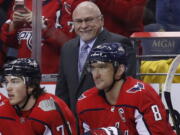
(117, 100)
(29, 106)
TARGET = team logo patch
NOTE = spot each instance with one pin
(138, 87)
(47, 105)
(26, 36)
(22, 120)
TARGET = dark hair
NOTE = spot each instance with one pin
(35, 84)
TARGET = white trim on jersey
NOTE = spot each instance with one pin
(47, 131)
(140, 125)
(111, 130)
(86, 127)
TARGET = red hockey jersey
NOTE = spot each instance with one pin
(58, 32)
(2, 97)
(43, 119)
(139, 110)
(10, 122)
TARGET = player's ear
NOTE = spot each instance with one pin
(120, 71)
(30, 89)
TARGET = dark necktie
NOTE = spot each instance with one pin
(82, 58)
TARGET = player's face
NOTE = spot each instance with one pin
(103, 74)
(87, 23)
(16, 90)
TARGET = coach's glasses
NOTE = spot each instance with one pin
(87, 20)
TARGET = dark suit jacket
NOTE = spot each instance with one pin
(69, 87)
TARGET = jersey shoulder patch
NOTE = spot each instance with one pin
(46, 102)
(139, 86)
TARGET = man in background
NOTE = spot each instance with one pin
(88, 24)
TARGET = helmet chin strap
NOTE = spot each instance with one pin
(19, 108)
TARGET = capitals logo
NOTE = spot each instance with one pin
(137, 87)
(26, 36)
